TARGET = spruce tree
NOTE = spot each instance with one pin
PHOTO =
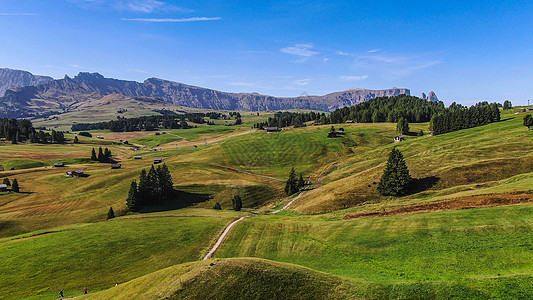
(76, 140)
(402, 126)
(110, 213)
(291, 186)
(143, 189)
(528, 121)
(100, 155)
(217, 206)
(6, 182)
(93, 155)
(301, 182)
(165, 181)
(155, 191)
(133, 202)
(396, 178)
(15, 186)
(237, 203)
(420, 133)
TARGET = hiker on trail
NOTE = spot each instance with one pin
(61, 293)
(85, 290)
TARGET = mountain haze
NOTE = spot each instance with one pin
(10, 78)
(67, 94)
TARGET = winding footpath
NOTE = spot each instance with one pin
(226, 231)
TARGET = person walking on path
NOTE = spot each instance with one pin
(85, 290)
(61, 293)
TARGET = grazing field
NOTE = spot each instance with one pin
(99, 255)
(486, 250)
(472, 161)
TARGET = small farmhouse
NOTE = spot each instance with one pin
(272, 129)
(77, 173)
(59, 165)
(3, 187)
(349, 121)
(116, 166)
(332, 134)
(137, 157)
(399, 138)
(99, 137)
(158, 160)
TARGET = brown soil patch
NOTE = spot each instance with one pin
(458, 203)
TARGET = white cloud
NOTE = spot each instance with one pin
(363, 77)
(342, 53)
(164, 20)
(303, 50)
(145, 6)
(17, 14)
(302, 82)
(139, 6)
(374, 50)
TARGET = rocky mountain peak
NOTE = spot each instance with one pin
(432, 96)
(424, 97)
(10, 79)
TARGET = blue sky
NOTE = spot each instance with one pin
(463, 50)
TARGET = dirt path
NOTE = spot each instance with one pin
(226, 231)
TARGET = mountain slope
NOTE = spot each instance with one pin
(66, 94)
(10, 78)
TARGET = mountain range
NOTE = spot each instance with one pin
(10, 78)
(63, 95)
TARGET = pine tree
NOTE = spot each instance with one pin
(217, 206)
(396, 178)
(528, 121)
(143, 189)
(15, 186)
(237, 203)
(420, 133)
(93, 155)
(165, 181)
(76, 140)
(6, 182)
(107, 155)
(291, 186)
(132, 202)
(100, 155)
(110, 213)
(154, 186)
(402, 126)
(301, 182)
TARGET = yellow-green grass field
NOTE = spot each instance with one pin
(98, 255)
(487, 252)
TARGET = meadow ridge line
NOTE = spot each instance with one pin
(226, 231)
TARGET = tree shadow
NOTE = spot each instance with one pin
(178, 200)
(421, 184)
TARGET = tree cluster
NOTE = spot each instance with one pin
(396, 178)
(55, 137)
(294, 184)
(454, 119)
(13, 185)
(285, 119)
(104, 156)
(507, 104)
(236, 203)
(155, 186)
(402, 126)
(15, 131)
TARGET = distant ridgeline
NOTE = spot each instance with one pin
(391, 109)
(20, 131)
(458, 117)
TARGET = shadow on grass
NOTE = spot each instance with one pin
(421, 184)
(179, 199)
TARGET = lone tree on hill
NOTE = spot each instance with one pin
(528, 121)
(237, 203)
(110, 213)
(507, 104)
(396, 178)
(292, 184)
(15, 186)
(402, 126)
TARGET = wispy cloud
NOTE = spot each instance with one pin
(342, 53)
(374, 50)
(353, 78)
(166, 20)
(138, 6)
(302, 82)
(303, 50)
(17, 14)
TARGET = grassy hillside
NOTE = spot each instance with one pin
(452, 165)
(98, 255)
(488, 250)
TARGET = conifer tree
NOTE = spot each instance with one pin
(420, 133)
(237, 203)
(107, 155)
(396, 178)
(143, 189)
(155, 191)
(217, 206)
(402, 126)
(15, 186)
(100, 154)
(93, 155)
(165, 181)
(76, 140)
(132, 202)
(528, 121)
(6, 182)
(110, 213)
(291, 186)
(301, 182)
